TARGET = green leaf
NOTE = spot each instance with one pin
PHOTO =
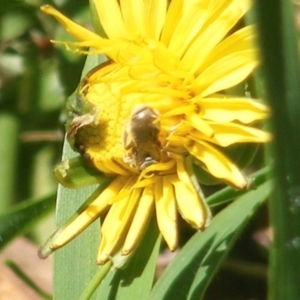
(95, 19)
(280, 63)
(228, 194)
(22, 217)
(75, 264)
(75, 173)
(189, 274)
(21, 275)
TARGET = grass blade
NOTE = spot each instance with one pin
(20, 218)
(74, 264)
(280, 62)
(188, 276)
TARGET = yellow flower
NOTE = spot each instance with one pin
(156, 107)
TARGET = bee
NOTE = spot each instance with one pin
(141, 138)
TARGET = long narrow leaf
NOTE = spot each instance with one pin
(229, 194)
(74, 264)
(19, 219)
(280, 63)
(188, 276)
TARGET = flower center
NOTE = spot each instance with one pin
(121, 125)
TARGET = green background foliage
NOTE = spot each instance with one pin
(37, 77)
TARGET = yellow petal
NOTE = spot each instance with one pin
(225, 73)
(207, 40)
(190, 201)
(177, 141)
(144, 182)
(189, 206)
(172, 18)
(90, 214)
(182, 174)
(179, 110)
(166, 211)
(160, 103)
(167, 61)
(217, 164)
(167, 166)
(116, 225)
(155, 14)
(224, 6)
(240, 40)
(140, 220)
(126, 189)
(197, 122)
(224, 110)
(76, 30)
(188, 28)
(110, 166)
(133, 13)
(111, 19)
(230, 133)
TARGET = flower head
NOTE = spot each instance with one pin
(156, 107)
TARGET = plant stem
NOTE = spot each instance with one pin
(281, 69)
(95, 282)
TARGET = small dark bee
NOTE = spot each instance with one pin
(141, 138)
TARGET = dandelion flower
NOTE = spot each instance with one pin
(155, 108)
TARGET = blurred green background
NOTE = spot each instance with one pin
(36, 77)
